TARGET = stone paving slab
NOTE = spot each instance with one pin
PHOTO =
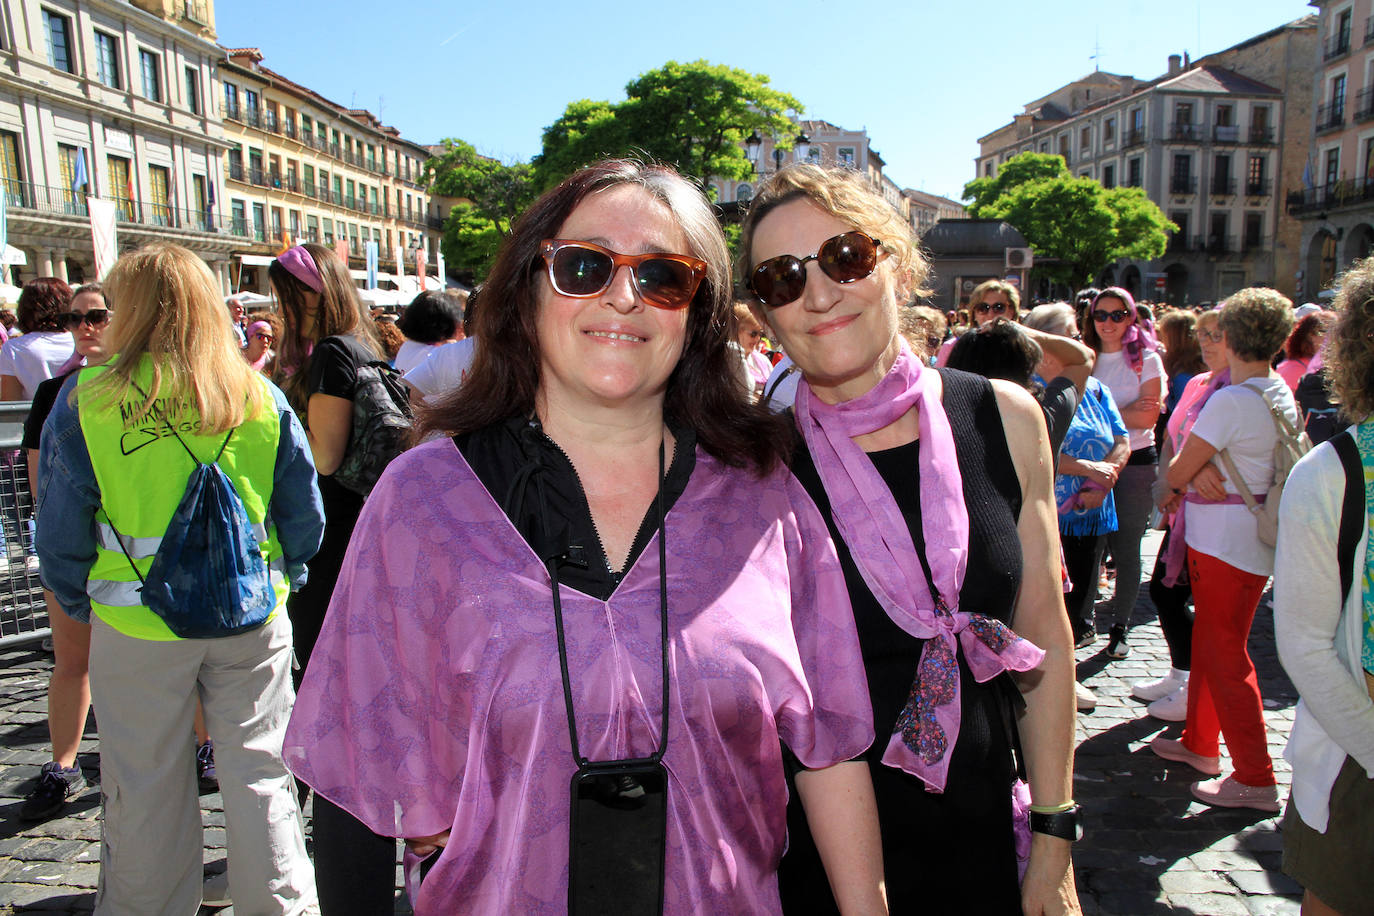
(1150, 848)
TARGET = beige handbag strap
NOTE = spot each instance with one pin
(1239, 481)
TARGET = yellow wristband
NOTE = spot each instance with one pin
(1052, 809)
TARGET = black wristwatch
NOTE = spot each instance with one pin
(1067, 825)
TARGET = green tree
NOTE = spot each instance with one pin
(692, 116)
(471, 241)
(1073, 221)
(495, 194)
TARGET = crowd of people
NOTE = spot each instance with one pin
(699, 591)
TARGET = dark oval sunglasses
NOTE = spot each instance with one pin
(845, 258)
(994, 308)
(96, 318)
(1116, 317)
(582, 270)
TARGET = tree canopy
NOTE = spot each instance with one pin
(692, 116)
(1075, 221)
(494, 193)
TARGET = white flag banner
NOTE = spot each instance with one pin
(400, 254)
(103, 234)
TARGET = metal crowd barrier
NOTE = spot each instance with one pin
(23, 615)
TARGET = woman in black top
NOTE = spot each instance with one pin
(881, 439)
(328, 335)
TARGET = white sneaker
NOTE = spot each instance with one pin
(215, 891)
(1085, 698)
(1173, 708)
(1150, 691)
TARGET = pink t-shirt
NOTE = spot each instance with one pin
(1292, 371)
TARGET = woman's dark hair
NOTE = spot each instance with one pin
(998, 349)
(1302, 343)
(432, 317)
(340, 312)
(96, 288)
(703, 392)
(41, 304)
(470, 313)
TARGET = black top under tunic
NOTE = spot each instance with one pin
(536, 485)
(951, 852)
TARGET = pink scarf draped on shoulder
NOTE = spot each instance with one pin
(876, 533)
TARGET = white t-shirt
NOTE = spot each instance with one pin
(1113, 370)
(1239, 422)
(444, 369)
(35, 357)
(782, 394)
(411, 354)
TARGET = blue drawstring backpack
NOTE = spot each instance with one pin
(208, 578)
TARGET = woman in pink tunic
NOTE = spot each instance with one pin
(604, 509)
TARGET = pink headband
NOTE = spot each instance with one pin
(301, 265)
(257, 326)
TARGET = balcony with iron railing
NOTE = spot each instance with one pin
(1258, 188)
(258, 177)
(1215, 244)
(51, 201)
(435, 222)
(1223, 186)
(1185, 133)
(1133, 137)
(1333, 196)
(269, 121)
(1225, 133)
(252, 117)
(1331, 116)
(230, 111)
(289, 128)
(1183, 184)
(1261, 134)
(1364, 105)
(1369, 30)
(1337, 45)
(235, 170)
(312, 235)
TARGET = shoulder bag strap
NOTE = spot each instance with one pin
(1352, 508)
(1239, 481)
(782, 376)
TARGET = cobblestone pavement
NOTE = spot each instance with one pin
(1150, 847)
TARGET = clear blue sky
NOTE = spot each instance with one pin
(926, 79)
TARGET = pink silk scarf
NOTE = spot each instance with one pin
(873, 527)
(1176, 555)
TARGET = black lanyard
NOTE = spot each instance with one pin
(551, 563)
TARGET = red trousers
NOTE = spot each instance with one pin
(1223, 692)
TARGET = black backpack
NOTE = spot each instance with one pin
(382, 418)
(1321, 418)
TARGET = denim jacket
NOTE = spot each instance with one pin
(68, 496)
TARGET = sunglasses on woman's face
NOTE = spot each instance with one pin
(1209, 336)
(1115, 317)
(265, 338)
(581, 270)
(95, 318)
(990, 308)
(845, 258)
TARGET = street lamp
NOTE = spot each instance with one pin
(751, 149)
(802, 146)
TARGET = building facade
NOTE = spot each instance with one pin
(115, 100)
(826, 144)
(929, 209)
(300, 168)
(1212, 142)
(1333, 201)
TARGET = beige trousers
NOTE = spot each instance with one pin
(144, 693)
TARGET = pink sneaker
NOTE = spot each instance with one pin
(1227, 793)
(1173, 750)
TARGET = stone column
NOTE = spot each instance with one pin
(221, 269)
(59, 263)
(44, 267)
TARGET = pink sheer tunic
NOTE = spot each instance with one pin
(433, 700)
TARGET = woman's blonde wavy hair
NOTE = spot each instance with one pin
(1348, 359)
(845, 195)
(170, 309)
